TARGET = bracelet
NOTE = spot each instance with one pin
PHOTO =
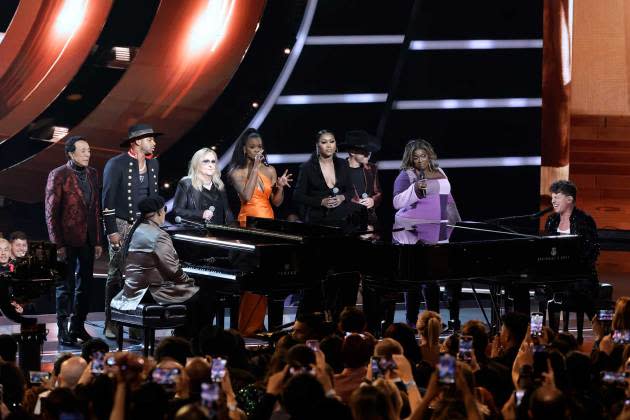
(410, 384)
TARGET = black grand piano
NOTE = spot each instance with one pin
(275, 257)
(269, 257)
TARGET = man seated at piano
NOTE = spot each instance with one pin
(425, 206)
(19, 244)
(200, 196)
(567, 219)
(153, 273)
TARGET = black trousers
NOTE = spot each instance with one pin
(200, 312)
(335, 292)
(73, 289)
(431, 294)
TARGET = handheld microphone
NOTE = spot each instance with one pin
(211, 209)
(264, 160)
(334, 192)
(541, 213)
(364, 195)
(179, 219)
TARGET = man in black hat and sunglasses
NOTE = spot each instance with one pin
(128, 178)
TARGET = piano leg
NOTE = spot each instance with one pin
(275, 311)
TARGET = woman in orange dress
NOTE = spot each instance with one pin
(258, 186)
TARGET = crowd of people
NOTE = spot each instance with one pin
(319, 370)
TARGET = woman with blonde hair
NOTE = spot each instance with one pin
(201, 195)
(429, 327)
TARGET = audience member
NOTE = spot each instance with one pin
(19, 244)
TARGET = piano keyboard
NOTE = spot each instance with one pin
(211, 272)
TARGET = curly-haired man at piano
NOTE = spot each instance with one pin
(567, 219)
(153, 272)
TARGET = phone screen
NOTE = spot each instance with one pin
(313, 345)
(618, 378)
(218, 369)
(621, 337)
(36, 377)
(446, 369)
(98, 363)
(536, 324)
(465, 348)
(165, 376)
(519, 394)
(209, 394)
(375, 363)
(606, 315)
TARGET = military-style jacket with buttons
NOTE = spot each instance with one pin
(120, 189)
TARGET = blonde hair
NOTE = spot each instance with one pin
(411, 147)
(429, 326)
(193, 169)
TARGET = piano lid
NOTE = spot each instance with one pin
(438, 232)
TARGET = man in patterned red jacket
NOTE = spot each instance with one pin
(72, 217)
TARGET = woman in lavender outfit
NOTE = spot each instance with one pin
(425, 209)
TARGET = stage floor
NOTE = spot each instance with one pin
(613, 266)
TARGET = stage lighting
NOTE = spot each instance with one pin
(70, 17)
(59, 133)
(287, 51)
(209, 28)
(255, 105)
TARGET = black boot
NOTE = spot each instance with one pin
(63, 336)
(78, 332)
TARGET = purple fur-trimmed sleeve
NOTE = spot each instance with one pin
(404, 191)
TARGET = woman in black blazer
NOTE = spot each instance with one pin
(200, 196)
(323, 187)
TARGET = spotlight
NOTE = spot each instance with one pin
(287, 51)
(214, 147)
(70, 17)
(255, 105)
(166, 185)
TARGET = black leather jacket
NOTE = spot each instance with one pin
(187, 203)
(582, 224)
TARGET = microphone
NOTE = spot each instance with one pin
(364, 195)
(542, 212)
(334, 191)
(264, 160)
(179, 219)
(211, 209)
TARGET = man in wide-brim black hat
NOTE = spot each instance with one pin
(367, 193)
(128, 178)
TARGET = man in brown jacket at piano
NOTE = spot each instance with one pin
(153, 273)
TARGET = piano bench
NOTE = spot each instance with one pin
(149, 317)
(603, 300)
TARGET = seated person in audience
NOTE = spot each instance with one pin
(505, 345)
(5, 254)
(19, 244)
(355, 352)
(352, 320)
(153, 273)
(200, 196)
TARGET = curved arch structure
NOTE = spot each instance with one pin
(187, 59)
(46, 44)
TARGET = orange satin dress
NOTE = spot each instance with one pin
(253, 307)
